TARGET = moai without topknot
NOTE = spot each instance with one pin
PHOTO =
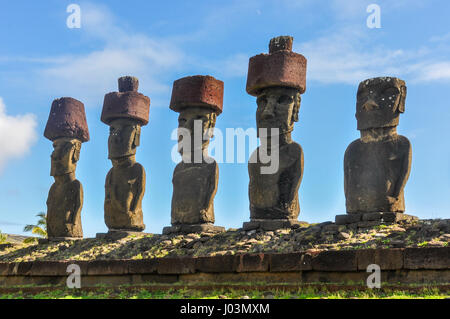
(67, 128)
(277, 80)
(377, 165)
(199, 100)
(125, 112)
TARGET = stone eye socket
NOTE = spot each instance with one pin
(262, 100)
(114, 131)
(285, 99)
(391, 91)
(361, 94)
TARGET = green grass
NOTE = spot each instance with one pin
(186, 293)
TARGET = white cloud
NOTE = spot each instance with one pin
(435, 71)
(94, 73)
(17, 135)
(348, 56)
(235, 65)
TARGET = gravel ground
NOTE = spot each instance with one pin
(324, 236)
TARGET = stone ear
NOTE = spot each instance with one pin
(401, 103)
(137, 136)
(213, 119)
(76, 152)
(212, 124)
(296, 108)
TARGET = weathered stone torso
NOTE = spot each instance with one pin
(373, 172)
(123, 201)
(275, 196)
(194, 188)
(64, 204)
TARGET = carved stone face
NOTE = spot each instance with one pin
(186, 120)
(65, 155)
(380, 102)
(124, 136)
(278, 107)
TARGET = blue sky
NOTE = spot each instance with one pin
(160, 41)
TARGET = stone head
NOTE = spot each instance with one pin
(196, 118)
(278, 107)
(124, 138)
(380, 102)
(65, 155)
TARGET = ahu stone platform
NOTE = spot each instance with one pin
(420, 266)
(408, 252)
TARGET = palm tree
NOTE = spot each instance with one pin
(3, 238)
(40, 229)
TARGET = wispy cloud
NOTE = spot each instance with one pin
(94, 73)
(17, 135)
(8, 223)
(349, 56)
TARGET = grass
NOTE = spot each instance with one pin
(186, 293)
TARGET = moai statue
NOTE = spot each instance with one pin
(199, 100)
(275, 168)
(377, 165)
(125, 112)
(67, 128)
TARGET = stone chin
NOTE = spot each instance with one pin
(373, 121)
(117, 155)
(60, 169)
(282, 129)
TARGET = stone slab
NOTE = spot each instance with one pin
(427, 258)
(372, 219)
(290, 262)
(57, 239)
(271, 224)
(119, 234)
(387, 259)
(253, 263)
(347, 219)
(189, 229)
(217, 264)
(335, 260)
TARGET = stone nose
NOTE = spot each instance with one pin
(268, 111)
(370, 105)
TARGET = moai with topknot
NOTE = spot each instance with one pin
(377, 165)
(67, 129)
(199, 100)
(277, 80)
(125, 112)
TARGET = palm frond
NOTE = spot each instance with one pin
(28, 228)
(42, 215)
(3, 238)
(39, 231)
(30, 240)
(42, 222)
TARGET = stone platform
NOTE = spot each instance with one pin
(418, 266)
(188, 229)
(57, 239)
(272, 224)
(362, 220)
(119, 234)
